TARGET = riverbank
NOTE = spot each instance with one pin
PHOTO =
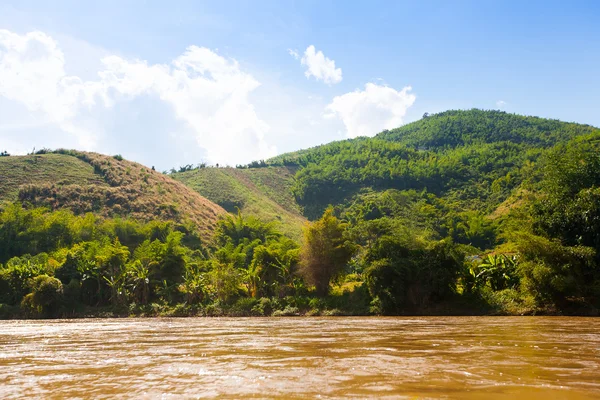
(347, 304)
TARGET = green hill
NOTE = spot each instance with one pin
(473, 158)
(456, 128)
(104, 185)
(262, 192)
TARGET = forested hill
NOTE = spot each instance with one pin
(104, 185)
(474, 159)
(458, 128)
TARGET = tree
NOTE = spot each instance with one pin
(225, 281)
(237, 228)
(569, 208)
(138, 276)
(46, 296)
(113, 262)
(407, 271)
(325, 251)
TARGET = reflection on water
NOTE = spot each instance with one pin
(458, 357)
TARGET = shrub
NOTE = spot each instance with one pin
(7, 311)
(263, 307)
(14, 277)
(288, 311)
(46, 296)
(244, 307)
(408, 273)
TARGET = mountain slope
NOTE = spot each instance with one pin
(105, 185)
(474, 159)
(262, 192)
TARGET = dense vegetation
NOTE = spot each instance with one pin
(461, 212)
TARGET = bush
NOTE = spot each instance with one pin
(333, 313)
(46, 297)
(407, 273)
(7, 311)
(288, 311)
(263, 307)
(72, 294)
(15, 276)
(225, 281)
(316, 304)
(509, 301)
(553, 274)
(244, 307)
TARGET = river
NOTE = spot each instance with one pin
(337, 357)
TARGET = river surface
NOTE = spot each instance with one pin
(430, 357)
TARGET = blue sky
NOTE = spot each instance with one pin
(182, 82)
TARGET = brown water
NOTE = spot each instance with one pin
(458, 357)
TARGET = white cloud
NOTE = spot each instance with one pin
(367, 112)
(321, 67)
(294, 53)
(207, 93)
(501, 104)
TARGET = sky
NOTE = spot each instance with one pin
(183, 82)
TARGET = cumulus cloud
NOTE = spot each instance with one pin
(206, 92)
(369, 111)
(321, 67)
(501, 104)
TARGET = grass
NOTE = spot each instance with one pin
(60, 169)
(262, 192)
(105, 185)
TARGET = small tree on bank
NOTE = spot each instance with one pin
(325, 252)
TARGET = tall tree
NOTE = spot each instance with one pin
(325, 252)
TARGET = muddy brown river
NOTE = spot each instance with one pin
(430, 357)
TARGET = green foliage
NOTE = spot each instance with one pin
(16, 274)
(244, 307)
(570, 206)
(555, 274)
(46, 296)
(325, 251)
(474, 157)
(408, 272)
(263, 306)
(457, 127)
(225, 281)
(497, 270)
(288, 311)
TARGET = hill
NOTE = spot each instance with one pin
(473, 158)
(265, 193)
(104, 185)
(455, 128)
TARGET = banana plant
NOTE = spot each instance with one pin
(497, 270)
